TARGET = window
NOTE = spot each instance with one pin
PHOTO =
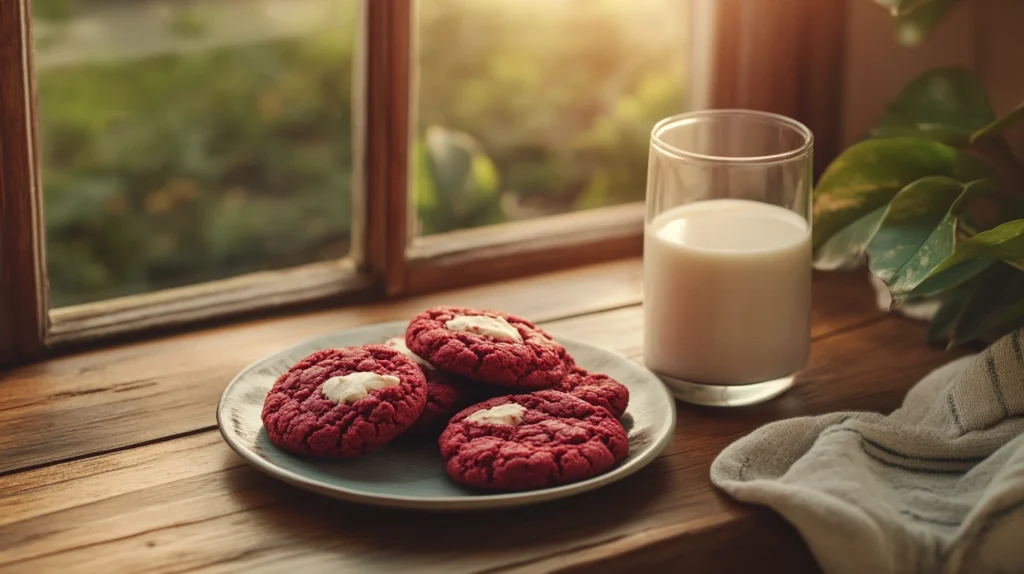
(168, 161)
(528, 108)
(183, 142)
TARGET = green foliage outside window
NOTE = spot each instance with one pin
(191, 165)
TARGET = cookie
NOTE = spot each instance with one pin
(489, 347)
(525, 442)
(597, 389)
(344, 403)
(446, 395)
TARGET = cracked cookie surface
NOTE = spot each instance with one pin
(446, 395)
(538, 362)
(300, 419)
(559, 439)
(597, 389)
(445, 398)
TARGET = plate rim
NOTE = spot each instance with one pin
(445, 503)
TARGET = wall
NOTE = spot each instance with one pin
(985, 35)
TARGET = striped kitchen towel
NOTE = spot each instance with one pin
(936, 486)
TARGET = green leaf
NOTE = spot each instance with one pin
(952, 137)
(915, 19)
(945, 104)
(845, 249)
(449, 161)
(972, 191)
(426, 195)
(998, 126)
(917, 229)
(979, 208)
(994, 308)
(485, 176)
(460, 186)
(946, 280)
(1003, 243)
(910, 280)
(868, 174)
(953, 302)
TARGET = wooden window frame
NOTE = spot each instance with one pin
(22, 273)
(789, 63)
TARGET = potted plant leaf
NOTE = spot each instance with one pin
(933, 200)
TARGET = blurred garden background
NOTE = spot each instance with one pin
(190, 140)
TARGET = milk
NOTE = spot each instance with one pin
(727, 291)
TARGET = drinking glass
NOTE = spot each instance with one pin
(727, 255)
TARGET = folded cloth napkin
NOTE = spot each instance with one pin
(936, 486)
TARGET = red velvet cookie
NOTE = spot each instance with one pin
(446, 395)
(344, 403)
(597, 389)
(488, 347)
(525, 442)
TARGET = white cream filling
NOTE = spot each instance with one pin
(355, 386)
(398, 343)
(507, 414)
(496, 327)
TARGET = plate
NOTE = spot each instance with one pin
(410, 474)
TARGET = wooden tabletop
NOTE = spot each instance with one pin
(110, 460)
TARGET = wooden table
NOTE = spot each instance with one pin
(110, 459)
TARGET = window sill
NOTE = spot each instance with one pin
(524, 247)
(460, 258)
(112, 458)
(204, 301)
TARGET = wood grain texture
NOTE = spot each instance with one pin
(409, 469)
(524, 247)
(756, 54)
(154, 389)
(190, 504)
(820, 83)
(203, 301)
(783, 57)
(22, 273)
(388, 92)
(762, 542)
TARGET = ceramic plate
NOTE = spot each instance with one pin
(411, 474)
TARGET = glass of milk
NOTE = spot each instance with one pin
(727, 255)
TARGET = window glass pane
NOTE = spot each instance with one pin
(535, 107)
(190, 140)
